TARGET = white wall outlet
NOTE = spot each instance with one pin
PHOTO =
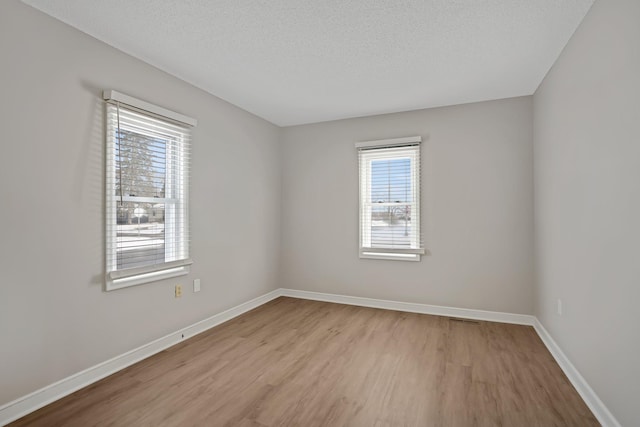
(178, 291)
(559, 307)
(196, 285)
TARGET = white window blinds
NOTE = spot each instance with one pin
(147, 204)
(390, 199)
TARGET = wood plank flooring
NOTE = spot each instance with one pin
(293, 362)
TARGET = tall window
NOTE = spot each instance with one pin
(390, 199)
(147, 192)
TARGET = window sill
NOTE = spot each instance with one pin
(390, 256)
(139, 279)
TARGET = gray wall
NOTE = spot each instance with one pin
(587, 203)
(55, 319)
(477, 203)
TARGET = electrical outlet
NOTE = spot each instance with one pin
(196, 285)
(559, 307)
(178, 291)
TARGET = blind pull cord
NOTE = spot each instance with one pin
(119, 152)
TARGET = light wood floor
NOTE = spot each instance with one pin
(293, 362)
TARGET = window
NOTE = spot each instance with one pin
(390, 199)
(147, 179)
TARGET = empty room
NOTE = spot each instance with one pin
(320, 213)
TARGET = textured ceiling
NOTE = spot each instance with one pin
(302, 61)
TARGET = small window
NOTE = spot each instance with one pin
(390, 199)
(147, 178)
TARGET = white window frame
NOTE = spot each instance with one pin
(398, 148)
(176, 237)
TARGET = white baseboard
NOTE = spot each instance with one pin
(36, 400)
(601, 412)
(464, 313)
(46, 395)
